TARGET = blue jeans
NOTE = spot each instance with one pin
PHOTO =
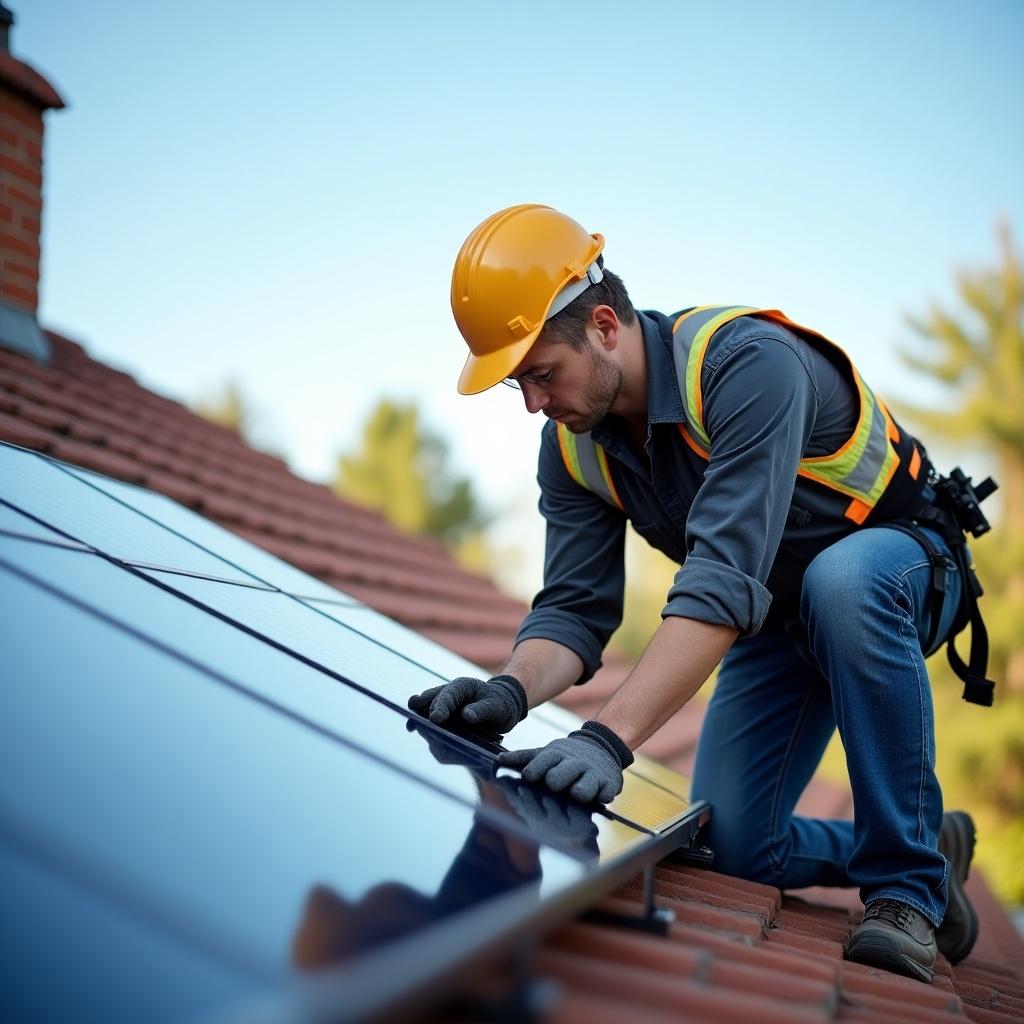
(856, 663)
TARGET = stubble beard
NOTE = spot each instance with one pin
(603, 387)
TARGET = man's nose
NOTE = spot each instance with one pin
(534, 397)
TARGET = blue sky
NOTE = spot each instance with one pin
(276, 192)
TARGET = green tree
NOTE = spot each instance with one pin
(402, 469)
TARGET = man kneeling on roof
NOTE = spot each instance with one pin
(819, 563)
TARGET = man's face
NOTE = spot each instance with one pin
(574, 388)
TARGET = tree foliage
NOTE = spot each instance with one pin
(229, 407)
(402, 469)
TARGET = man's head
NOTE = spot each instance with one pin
(533, 302)
(573, 373)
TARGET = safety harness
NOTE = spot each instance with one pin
(883, 471)
(952, 509)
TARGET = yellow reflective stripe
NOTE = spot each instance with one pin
(695, 362)
(689, 313)
(570, 456)
(602, 461)
(842, 462)
(889, 463)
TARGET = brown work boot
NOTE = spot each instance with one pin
(959, 929)
(894, 936)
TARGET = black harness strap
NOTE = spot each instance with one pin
(940, 578)
(977, 688)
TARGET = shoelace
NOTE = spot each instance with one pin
(892, 911)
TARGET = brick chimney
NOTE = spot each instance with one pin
(24, 95)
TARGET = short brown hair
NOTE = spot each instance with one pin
(570, 324)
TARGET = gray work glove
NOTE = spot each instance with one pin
(588, 762)
(497, 704)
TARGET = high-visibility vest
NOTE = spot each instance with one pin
(862, 469)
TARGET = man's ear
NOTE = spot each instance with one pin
(606, 320)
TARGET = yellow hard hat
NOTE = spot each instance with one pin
(516, 270)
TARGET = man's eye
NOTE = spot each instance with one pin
(543, 378)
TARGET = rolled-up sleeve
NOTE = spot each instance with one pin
(580, 605)
(760, 401)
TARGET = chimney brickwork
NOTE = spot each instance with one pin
(24, 96)
(21, 200)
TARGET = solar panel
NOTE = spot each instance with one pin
(224, 779)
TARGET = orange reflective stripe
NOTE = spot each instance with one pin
(602, 461)
(858, 511)
(688, 438)
(915, 464)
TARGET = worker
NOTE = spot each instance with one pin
(749, 450)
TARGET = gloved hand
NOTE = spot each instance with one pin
(497, 704)
(588, 762)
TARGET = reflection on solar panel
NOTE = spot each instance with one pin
(210, 788)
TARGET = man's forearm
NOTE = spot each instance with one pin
(544, 667)
(677, 662)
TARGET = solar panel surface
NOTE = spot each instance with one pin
(222, 778)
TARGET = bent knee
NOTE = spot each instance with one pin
(744, 855)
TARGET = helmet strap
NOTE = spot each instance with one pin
(574, 290)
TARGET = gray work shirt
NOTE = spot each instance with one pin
(742, 527)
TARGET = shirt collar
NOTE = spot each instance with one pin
(664, 401)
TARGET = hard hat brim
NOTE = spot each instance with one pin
(482, 372)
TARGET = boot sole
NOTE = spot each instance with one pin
(961, 851)
(879, 953)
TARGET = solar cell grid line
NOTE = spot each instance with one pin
(268, 569)
(641, 808)
(286, 815)
(310, 637)
(639, 770)
(41, 488)
(446, 664)
(16, 524)
(404, 761)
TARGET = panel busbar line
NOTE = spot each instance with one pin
(531, 733)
